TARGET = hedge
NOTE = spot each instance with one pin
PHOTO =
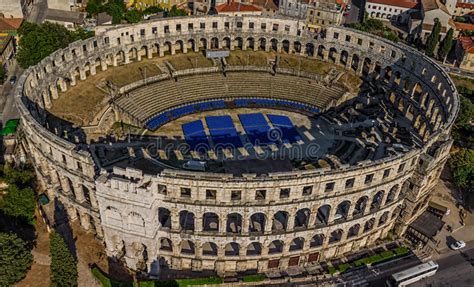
(107, 282)
(254, 278)
(344, 267)
(331, 270)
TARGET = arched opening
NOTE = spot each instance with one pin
(210, 222)
(297, 244)
(353, 231)
(332, 55)
(180, 46)
(187, 247)
(232, 249)
(336, 236)
(263, 43)
(274, 44)
(240, 43)
(369, 225)
(214, 43)
(398, 78)
(234, 223)
(321, 51)
(310, 49)
(192, 44)
(344, 57)
(167, 47)
(254, 249)
(383, 218)
(302, 218)
(86, 193)
(317, 240)
(275, 247)
(366, 66)
(203, 42)
(257, 223)
(297, 47)
(226, 43)
(166, 245)
(377, 201)
(355, 62)
(322, 217)
(186, 220)
(391, 194)
(388, 74)
(280, 221)
(133, 54)
(164, 217)
(209, 249)
(342, 211)
(251, 43)
(286, 46)
(360, 206)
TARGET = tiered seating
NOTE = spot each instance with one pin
(202, 87)
(166, 100)
(145, 101)
(249, 84)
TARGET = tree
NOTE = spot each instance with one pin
(133, 16)
(15, 259)
(19, 204)
(466, 113)
(116, 9)
(433, 39)
(175, 12)
(39, 41)
(20, 177)
(93, 7)
(446, 45)
(462, 167)
(63, 264)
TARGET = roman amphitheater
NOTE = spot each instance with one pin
(296, 148)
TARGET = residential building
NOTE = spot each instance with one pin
(69, 19)
(238, 9)
(323, 13)
(463, 9)
(7, 50)
(268, 7)
(294, 8)
(395, 11)
(465, 53)
(15, 8)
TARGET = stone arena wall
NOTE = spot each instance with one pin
(221, 222)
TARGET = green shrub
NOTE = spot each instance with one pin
(331, 270)
(386, 254)
(344, 267)
(199, 281)
(401, 250)
(254, 278)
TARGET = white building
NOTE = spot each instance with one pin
(15, 8)
(392, 10)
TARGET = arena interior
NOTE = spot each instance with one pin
(296, 148)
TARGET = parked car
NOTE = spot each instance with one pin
(13, 80)
(348, 7)
(458, 245)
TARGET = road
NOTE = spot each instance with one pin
(7, 102)
(356, 13)
(377, 275)
(454, 270)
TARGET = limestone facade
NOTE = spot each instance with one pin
(227, 223)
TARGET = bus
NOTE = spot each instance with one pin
(413, 274)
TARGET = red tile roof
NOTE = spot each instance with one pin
(10, 24)
(467, 44)
(236, 7)
(464, 26)
(465, 5)
(397, 3)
